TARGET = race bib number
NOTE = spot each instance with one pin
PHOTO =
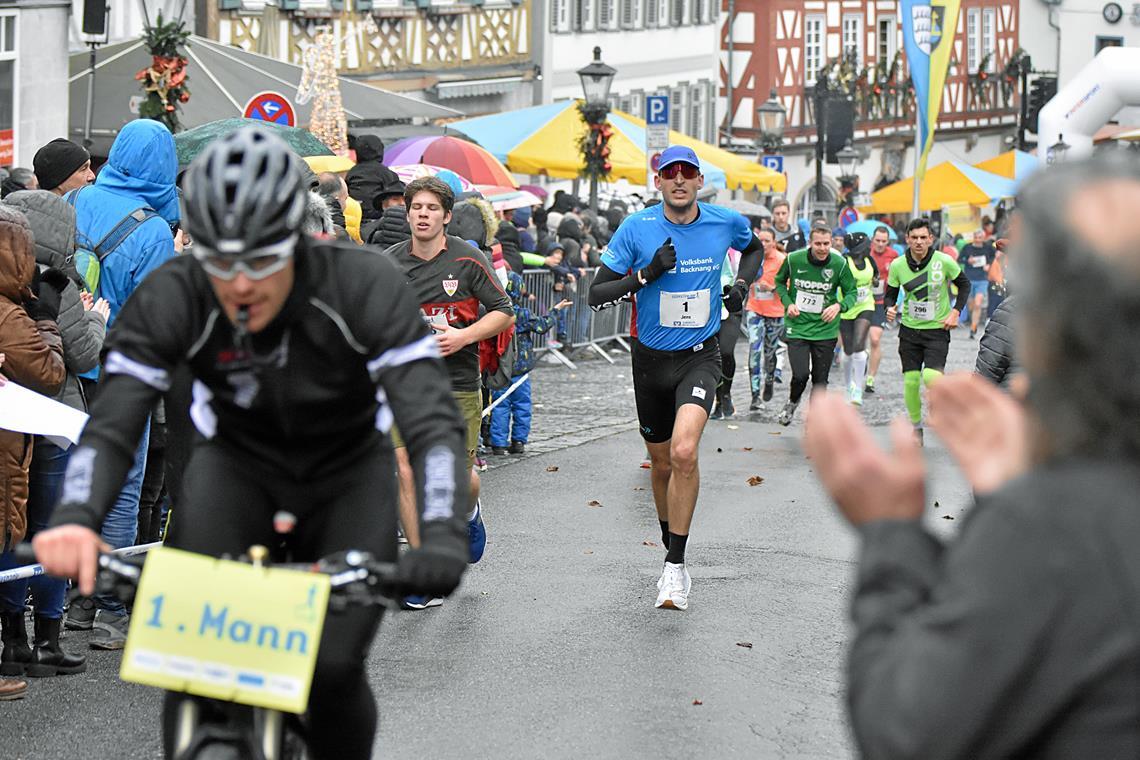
(762, 295)
(686, 309)
(863, 294)
(977, 261)
(921, 309)
(226, 630)
(438, 320)
(809, 303)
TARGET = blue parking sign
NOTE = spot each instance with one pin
(775, 163)
(657, 110)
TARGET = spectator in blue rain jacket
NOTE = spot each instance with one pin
(510, 420)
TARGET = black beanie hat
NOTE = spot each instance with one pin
(57, 161)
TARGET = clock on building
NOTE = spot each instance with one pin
(1112, 12)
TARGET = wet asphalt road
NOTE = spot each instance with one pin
(552, 647)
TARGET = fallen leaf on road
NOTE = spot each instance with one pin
(755, 480)
(748, 448)
(645, 465)
(588, 551)
(947, 517)
(745, 644)
(639, 488)
(773, 432)
(552, 468)
(648, 543)
(734, 427)
(697, 702)
(593, 503)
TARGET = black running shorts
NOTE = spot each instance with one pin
(923, 348)
(664, 380)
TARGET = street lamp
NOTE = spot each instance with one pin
(1057, 151)
(848, 159)
(597, 78)
(772, 117)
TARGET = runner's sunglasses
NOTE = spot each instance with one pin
(256, 264)
(688, 171)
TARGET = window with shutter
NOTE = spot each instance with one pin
(651, 12)
(627, 14)
(696, 112)
(560, 15)
(698, 10)
(584, 15)
(678, 12)
(677, 110)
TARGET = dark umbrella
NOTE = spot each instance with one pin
(191, 142)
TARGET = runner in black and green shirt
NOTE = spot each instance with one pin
(925, 277)
(808, 284)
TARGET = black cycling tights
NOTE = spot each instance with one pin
(729, 334)
(228, 505)
(854, 333)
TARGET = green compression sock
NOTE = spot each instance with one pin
(912, 381)
(929, 376)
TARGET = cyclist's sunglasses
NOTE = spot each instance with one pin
(256, 264)
(688, 171)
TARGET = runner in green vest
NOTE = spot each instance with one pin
(925, 276)
(855, 323)
(809, 284)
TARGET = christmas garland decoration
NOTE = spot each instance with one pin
(164, 81)
(594, 143)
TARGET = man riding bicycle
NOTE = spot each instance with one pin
(302, 353)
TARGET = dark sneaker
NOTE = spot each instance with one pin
(517, 447)
(727, 408)
(767, 391)
(80, 615)
(109, 631)
(756, 404)
(869, 386)
(420, 602)
(476, 534)
(499, 450)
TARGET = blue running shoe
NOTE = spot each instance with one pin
(477, 534)
(420, 602)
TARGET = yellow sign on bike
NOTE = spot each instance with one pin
(226, 630)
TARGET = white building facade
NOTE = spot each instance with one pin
(658, 47)
(33, 77)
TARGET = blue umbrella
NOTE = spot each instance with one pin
(868, 227)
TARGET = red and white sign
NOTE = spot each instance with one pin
(271, 106)
(7, 147)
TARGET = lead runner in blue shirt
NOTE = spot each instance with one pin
(668, 258)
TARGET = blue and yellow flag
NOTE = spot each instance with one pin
(928, 38)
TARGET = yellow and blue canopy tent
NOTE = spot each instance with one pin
(543, 140)
(947, 184)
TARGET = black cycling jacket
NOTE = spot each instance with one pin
(310, 394)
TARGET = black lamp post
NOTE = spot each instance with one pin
(849, 160)
(597, 78)
(772, 118)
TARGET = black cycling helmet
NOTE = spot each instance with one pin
(244, 191)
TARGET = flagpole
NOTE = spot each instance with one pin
(917, 156)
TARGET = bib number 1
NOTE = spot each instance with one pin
(685, 309)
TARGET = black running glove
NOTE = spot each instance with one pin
(734, 297)
(430, 572)
(48, 288)
(664, 259)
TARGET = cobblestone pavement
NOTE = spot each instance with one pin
(572, 407)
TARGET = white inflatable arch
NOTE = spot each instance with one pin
(1109, 82)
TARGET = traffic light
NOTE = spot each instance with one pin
(1040, 92)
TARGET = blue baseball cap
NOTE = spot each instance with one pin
(678, 154)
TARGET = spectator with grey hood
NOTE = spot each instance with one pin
(1019, 638)
(82, 324)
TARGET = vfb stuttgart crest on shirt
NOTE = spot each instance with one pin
(450, 286)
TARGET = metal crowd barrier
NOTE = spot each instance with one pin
(578, 325)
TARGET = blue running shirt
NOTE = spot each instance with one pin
(682, 307)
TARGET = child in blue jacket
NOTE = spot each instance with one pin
(517, 406)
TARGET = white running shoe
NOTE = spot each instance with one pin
(673, 587)
(855, 394)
